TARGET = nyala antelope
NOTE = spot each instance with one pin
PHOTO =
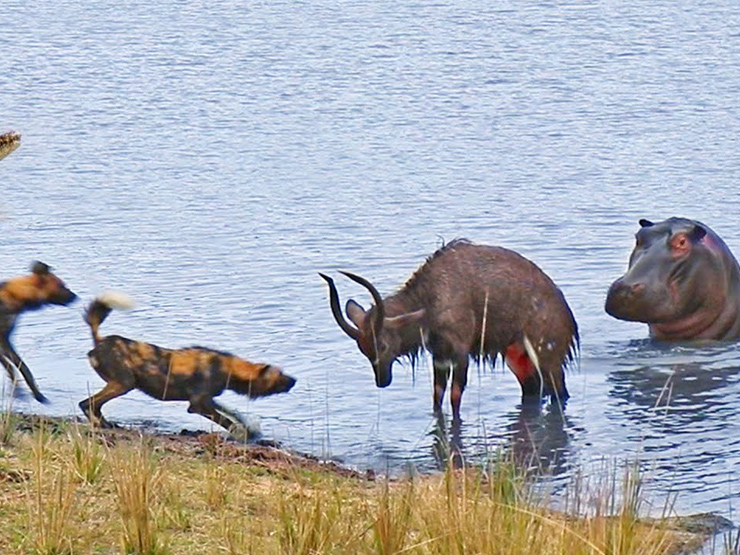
(194, 374)
(23, 294)
(468, 301)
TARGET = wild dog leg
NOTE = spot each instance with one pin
(92, 405)
(228, 413)
(9, 367)
(206, 406)
(13, 357)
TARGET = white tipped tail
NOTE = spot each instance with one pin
(116, 299)
(98, 310)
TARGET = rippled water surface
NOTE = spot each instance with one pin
(209, 158)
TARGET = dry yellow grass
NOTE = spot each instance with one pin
(67, 489)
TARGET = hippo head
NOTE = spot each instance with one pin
(678, 280)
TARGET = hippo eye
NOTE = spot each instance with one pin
(680, 244)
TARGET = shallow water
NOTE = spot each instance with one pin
(210, 158)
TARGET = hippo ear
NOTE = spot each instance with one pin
(646, 223)
(698, 233)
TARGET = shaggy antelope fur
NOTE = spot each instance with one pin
(194, 374)
(22, 294)
(468, 301)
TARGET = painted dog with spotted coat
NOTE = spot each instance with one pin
(23, 294)
(194, 374)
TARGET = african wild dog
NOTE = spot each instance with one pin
(22, 294)
(195, 374)
(467, 301)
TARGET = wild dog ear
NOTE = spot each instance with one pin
(355, 312)
(40, 269)
(646, 223)
(698, 233)
(264, 369)
(402, 320)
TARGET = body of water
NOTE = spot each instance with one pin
(209, 159)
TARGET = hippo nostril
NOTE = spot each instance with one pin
(626, 291)
(622, 296)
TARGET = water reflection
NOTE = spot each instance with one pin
(447, 447)
(536, 439)
(696, 388)
(676, 408)
(539, 439)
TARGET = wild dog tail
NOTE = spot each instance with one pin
(99, 309)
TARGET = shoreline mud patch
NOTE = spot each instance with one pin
(199, 492)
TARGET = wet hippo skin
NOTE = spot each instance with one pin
(682, 280)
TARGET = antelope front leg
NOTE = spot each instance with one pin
(441, 375)
(459, 381)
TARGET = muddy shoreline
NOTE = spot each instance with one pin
(690, 535)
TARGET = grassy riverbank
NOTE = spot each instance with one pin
(65, 488)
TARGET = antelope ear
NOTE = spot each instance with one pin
(402, 320)
(355, 313)
(646, 223)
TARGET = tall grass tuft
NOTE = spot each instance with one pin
(392, 521)
(50, 502)
(236, 536)
(8, 419)
(88, 455)
(137, 479)
(216, 494)
(321, 520)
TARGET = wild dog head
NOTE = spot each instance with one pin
(30, 292)
(258, 380)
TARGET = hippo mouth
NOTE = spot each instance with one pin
(638, 303)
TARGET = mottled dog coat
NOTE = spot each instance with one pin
(23, 294)
(194, 374)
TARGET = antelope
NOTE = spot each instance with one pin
(468, 301)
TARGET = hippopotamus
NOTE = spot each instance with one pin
(682, 281)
